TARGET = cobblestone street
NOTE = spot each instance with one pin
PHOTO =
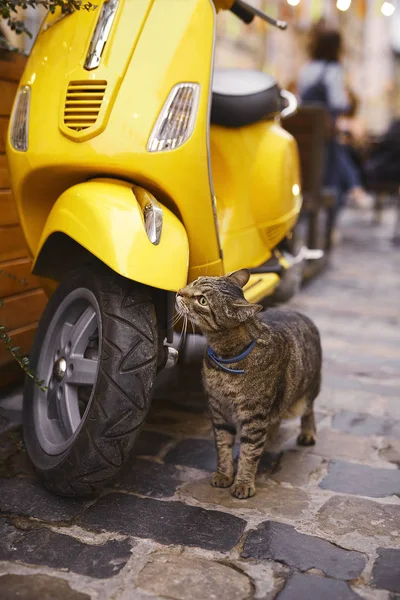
(325, 522)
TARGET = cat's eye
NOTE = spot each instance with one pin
(202, 300)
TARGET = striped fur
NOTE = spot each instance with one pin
(282, 374)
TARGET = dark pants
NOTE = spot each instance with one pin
(341, 172)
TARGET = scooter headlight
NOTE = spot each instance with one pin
(177, 118)
(20, 120)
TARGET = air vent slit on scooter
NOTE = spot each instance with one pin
(83, 103)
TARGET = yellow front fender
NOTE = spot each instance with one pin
(105, 217)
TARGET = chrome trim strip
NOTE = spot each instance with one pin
(213, 198)
(303, 254)
(101, 33)
(291, 104)
(153, 221)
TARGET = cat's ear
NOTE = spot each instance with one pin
(240, 277)
(245, 310)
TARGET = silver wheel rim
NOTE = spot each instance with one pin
(68, 364)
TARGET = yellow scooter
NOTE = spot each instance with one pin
(136, 168)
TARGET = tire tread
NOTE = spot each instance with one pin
(121, 396)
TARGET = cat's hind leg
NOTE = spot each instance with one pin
(224, 433)
(308, 432)
(273, 431)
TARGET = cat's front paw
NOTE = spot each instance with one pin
(306, 439)
(220, 480)
(243, 490)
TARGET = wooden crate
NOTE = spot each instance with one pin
(23, 300)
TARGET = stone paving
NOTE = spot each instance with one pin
(325, 523)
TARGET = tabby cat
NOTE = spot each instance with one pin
(255, 372)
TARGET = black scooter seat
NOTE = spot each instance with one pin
(242, 97)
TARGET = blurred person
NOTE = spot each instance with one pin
(322, 81)
(350, 126)
(351, 132)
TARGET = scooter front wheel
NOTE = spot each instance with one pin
(96, 352)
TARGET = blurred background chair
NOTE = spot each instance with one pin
(309, 126)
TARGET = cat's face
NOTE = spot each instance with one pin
(216, 303)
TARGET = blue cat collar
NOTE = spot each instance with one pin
(220, 362)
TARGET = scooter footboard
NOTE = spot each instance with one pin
(123, 226)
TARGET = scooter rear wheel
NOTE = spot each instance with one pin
(96, 351)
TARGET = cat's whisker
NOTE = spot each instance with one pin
(193, 326)
(185, 334)
(175, 315)
(175, 319)
(182, 337)
(194, 332)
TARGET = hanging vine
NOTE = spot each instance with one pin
(11, 15)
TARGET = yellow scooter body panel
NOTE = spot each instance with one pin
(257, 185)
(259, 286)
(152, 46)
(97, 213)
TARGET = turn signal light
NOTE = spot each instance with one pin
(177, 118)
(152, 213)
(20, 120)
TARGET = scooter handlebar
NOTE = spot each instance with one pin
(246, 13)
(242, 13)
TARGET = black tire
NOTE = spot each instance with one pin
(121, 394)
